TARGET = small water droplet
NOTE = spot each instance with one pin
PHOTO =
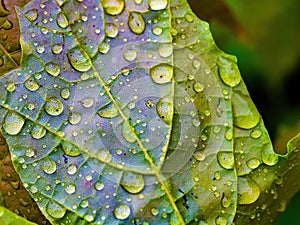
(229, 71)
(104, 48)
(158, 4)
(74, 118)
(269, 157)
(256, 133)
(154, 211)
(55, 210)
(62, 20)
(104, 155)
(221, 220)
(49, 166)
(253, 163)
(162, 73)
(165, 50)
(113, 7)
(127, 133)
(282, 206)
(122, 212)
(198, 87)
(130, 55)
(29, 152)
(31, 85)
(165, 109)
(111, 30)
(70, 188)
(79, 59)
(108, 112)
(87, 102)
(89, 217)
(57, 48)
(65, 93)
(200, 156)
(33, 189)
(32, 15)
(136, 22)
(11, 86)
(133, 183)
(226, 159)
(13, 123)
(84, 203)
(157, 30)
(54, 106)
(189, 17)
(38, 132)
(70, 149)
(225, 201)
(40, 49)
(53, 69)
(248, 191)
(72, 169)
(99, 186)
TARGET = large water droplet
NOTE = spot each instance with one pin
(53, 69)
(13, 123)
(127, 133)
(74, 118)
(136, 22)
(111, 30)
(229, 71)
(70, 149)
(79, 59)
(158, 4)
(38, 132)
(70, 188)
(72, 169)
(133, 183)
(32, 15)
(62, 20)
(162, 73)
(253, 163)
(248, 191)
(31, 85)
(57, 48)
(165, 109)
(87, 102)
(113, 7)
(130, 55)
(269, 157)
(55, 210)
(245, 114)
(104, 155)
(49, 166)
(122, 212)
(226, 159)
(165, 50)
(54, 106)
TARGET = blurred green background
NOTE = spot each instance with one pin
(265, 36)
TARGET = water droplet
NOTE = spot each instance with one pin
(74, 118)
(225, 201)
(79, 59)
(99, 186)
(87, 102)
(229, 71)
(72, 169)
(158, 4)
(130, 55)
(127, 133)
(104, 155)
(65, 93)
(53, 69)
(253, 163)
(165, 109)
(89, 217)
(136, 22)
(157, 30)
(154, 211)
(31, 85)
(38, 132)
(32, 15)
(133, 183)
(245, 114)
(13, 123)
(198, 87)
(122, 212)
(109, 112)
(62, 20)
(200, 156)
(248, 191)
(54, 106)
(162, 73)
(84, 203)
(104, 48)
(70, 149)
(221, 220)
(111, 30)
(189, 17)
(269, 157)
(49, 166)
(33, 189)
(113, 7)
(40, 49)
(70, 188)
(256, 133)
(29, 152)
(226, 159)
(165, 50)
(55, 210)
(11, 86)
(57, 48)
(282, 206)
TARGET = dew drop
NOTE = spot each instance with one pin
(221, 220)
(104, 48)
(72, 169)
(127, 133)
(122, 212)
(136, 22)
(53, 69)
(248, 191)
(55, 210)
(11, 86)
(70, 149)
(89, 217)
(165, 50)
(32, 85)
(154, 211)
(62, 20)
(29, 152)
(229, 71)
(253, 163)
(225, 201)
(256, 133)
(32, 15)
(74, 118)
(49, 166)
(226, 159)
(111, 30)
(165, 109)
(200, 156)
(113, 7)
(33, 189)
(158, 4)
(133, 183)
(40, 49)
(65, 93)
(79, 59)
(13, 123)
(70, 188)
(104, 155)
(269, 157)
(130, 55)
(99, 186)
(38, 132)
(162, 73)
(157, 30)
(87, 102)
(54, 106)
(84, 203)
(282, 206)
(57, 48)
(108, 112)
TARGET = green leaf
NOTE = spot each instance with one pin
(126, 112)
(9, 218)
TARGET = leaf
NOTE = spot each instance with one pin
(9, 218)
(126, 112)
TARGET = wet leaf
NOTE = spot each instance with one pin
(126, 112)
(9, 218)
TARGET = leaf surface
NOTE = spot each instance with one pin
(126, 112)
